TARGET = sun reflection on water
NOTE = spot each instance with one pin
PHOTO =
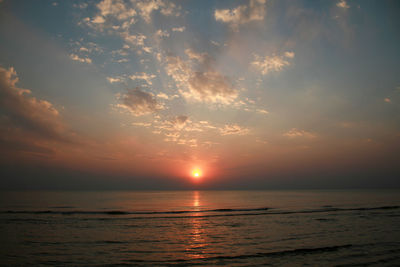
(196, 200)
(197, 236)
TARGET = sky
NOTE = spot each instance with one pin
(259, 94)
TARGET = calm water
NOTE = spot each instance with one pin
(236, 228)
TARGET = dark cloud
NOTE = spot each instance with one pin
(139, 102)
(31, 116)
(181, 119)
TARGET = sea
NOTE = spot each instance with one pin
(206, 228)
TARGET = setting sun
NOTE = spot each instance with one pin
(196, 173)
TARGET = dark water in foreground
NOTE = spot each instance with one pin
(235, 228)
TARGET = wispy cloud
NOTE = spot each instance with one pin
(262, 111)
(141, 124)
(179, 29)
(272, 63)
(146, 8)
(296, 133)
(254, 11)
(206, 84)
(80, 59)
(115, 79)
(143, 76)
(233, 129)
(115, 8)
(167, 97)
(161, 34)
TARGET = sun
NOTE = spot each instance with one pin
(196, 173)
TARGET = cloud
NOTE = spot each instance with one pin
(98, 20)
(138, 102)
(272, 63)
(143, 76)
(147, 49)
(178, 123)
(161, 33)
(262, 111)
(189, 142)
(122, 60)
(137, 40)
(179, 29)
(233, 129)
(119, 15)
(203, 58)
(81, 5)
(173, 125)
(342, 4)
(80, 59)
(162, 95)
(167, 97)
(170, 9)
(141, 124)
(207, 85)
(210, 86)
(215, 43)
(83, 49)
(114, 79)
(112, 14)
(28, 114)
(178, 69)
(175, 130)
(254, 11)
(93, 48)
(181, 119)
(146, 8)
(116, 17)
(289, 54)
(116, 9)
(296, 133)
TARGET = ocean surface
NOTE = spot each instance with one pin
(234, 228)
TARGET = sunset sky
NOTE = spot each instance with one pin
(249, 94)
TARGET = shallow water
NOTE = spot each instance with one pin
(236, 228)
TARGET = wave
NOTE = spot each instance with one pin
(214, 212)
(299, 251)
(281, 253)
